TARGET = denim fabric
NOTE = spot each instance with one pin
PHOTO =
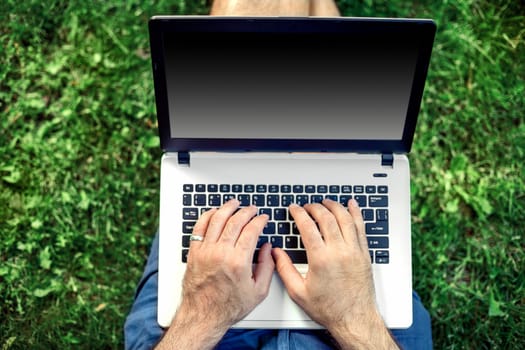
(141, 330)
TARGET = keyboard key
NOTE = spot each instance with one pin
(359, 189)
(346, 189)
(227, 197)
(343, 199)
(260, 188)
(378, 201)
(286, 200)
(200, 188)
(185, 255)
(291, 242)
(298, 188)
(283, 228)
(377, 242)
(262, 240)
(309, 188)
(187, 188)
(269, 229)
(214, 200)
(368, 214)
(370, 189)
(213, 188)
(301, 199)
(236, 188)
(249, 188)
(332, 197)
(316, 198)
(377, 228)
(258, 200)
(371, 252)
(382, 257)
(272, 200)
(297, 256)
(382, 189)
(273, 188)
(186, 199)
(286, 188)
(187, 226)
(244, 199)
(199, 199)
(361, 200)
(322, 189)
(224, 188)
(276, 241)
(334, 189)
(266, 211)
(186, 241)
(382, 214)
(279, 214)
(295, 229)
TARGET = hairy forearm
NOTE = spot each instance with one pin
(370, 333)
(190, 330)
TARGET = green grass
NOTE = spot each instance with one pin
(79, 169)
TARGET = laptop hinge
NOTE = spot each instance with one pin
(184, 158)
(387, 160)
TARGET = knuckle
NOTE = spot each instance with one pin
(327, 216)
(231, 227)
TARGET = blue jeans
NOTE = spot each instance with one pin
(141, 330)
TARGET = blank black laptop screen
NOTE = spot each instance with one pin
(304, 86)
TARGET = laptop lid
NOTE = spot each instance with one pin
(255, 84)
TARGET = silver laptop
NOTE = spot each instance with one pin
(274, 111)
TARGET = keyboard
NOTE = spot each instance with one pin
(274, 200)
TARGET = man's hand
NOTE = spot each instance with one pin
(220, 286)
(338, 290)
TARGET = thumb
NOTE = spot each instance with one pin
(264, 270)
(292, 279)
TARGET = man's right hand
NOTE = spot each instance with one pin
(338, 290)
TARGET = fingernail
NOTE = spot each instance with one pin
(353, 203)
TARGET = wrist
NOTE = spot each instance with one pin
(192, 329)
(367, 332)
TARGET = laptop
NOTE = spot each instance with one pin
(274, 111)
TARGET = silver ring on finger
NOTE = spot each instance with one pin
(196, 238)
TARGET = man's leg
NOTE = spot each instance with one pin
(325, 8)
(141, 330)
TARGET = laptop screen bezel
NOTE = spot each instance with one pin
(422, 31)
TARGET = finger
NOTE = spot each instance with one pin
(201, 226)
(292, 279)
(326, 220)
(219, 220)
(236, 223)
(264, 270)
(249, 235)
(310, 234)
(355, 211)
(345, 221)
